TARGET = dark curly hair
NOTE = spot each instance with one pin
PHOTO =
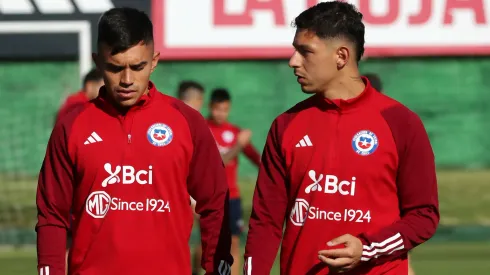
(335, 19)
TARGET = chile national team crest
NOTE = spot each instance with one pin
(364, 142)
(159, 134)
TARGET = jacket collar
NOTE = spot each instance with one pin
(143, 102)
(347, 105)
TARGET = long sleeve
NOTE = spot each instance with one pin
(207, 185)
(269, 208)
(252, 154)
(417, 192)
(54, 199)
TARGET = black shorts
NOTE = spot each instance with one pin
(236, 221)
(69, 239)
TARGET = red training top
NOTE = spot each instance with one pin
(363, 167)
(226, 137)
(71, 102)
(128, 180)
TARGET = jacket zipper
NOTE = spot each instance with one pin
(123, 127)
(126, 129)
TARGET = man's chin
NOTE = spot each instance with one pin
(126, 102)
(307, 90)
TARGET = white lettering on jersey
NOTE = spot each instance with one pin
(129, 175)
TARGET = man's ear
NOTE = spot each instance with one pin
(343, 55)
(154, 61)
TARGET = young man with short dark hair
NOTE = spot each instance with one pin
(125, 164)
(350, 170)
(191, 93)
(91, 84)
(231, 141)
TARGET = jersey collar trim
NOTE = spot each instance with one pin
(343, 106)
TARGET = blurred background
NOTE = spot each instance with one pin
(432, 55)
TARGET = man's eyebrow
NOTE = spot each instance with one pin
(113, 65)
(301, 46)
(142, 63)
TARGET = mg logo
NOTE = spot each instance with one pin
(129, 175)
(299, 213)
(97, 204)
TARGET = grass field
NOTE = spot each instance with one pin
(428, 259)
(464, 200)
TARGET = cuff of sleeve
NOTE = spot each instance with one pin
(47, 270)
(51, 249)
(367, 252)
(371, 250)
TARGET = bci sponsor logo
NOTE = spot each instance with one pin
(331, 184)
(127, 174)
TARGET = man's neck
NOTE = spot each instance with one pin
(215, 122)
(120, 109)
(345, 87)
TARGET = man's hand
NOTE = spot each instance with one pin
(193, 206)
(342, 259)
(244, 137)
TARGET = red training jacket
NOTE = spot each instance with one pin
(226, 137)
(78, 98)
(363, 167)
(128, 180)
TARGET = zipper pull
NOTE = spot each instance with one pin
(129, 138)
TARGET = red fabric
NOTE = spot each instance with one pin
(71, 101)
(140, 221)
(226, 137)
(387, 197)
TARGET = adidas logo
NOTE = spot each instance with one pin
(305, 142)
(93, 138)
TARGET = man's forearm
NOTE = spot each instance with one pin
(231, 154)
(51, 247)
(416, 227)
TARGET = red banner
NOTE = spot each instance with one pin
(242, 29)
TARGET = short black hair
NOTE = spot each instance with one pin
(220, 95)
(186, 85)
(93, 75)
(335, 19)
(375, 81)
(123, 28)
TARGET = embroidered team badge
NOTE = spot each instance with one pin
(228, 136)
(364, 142)
(159, 134)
